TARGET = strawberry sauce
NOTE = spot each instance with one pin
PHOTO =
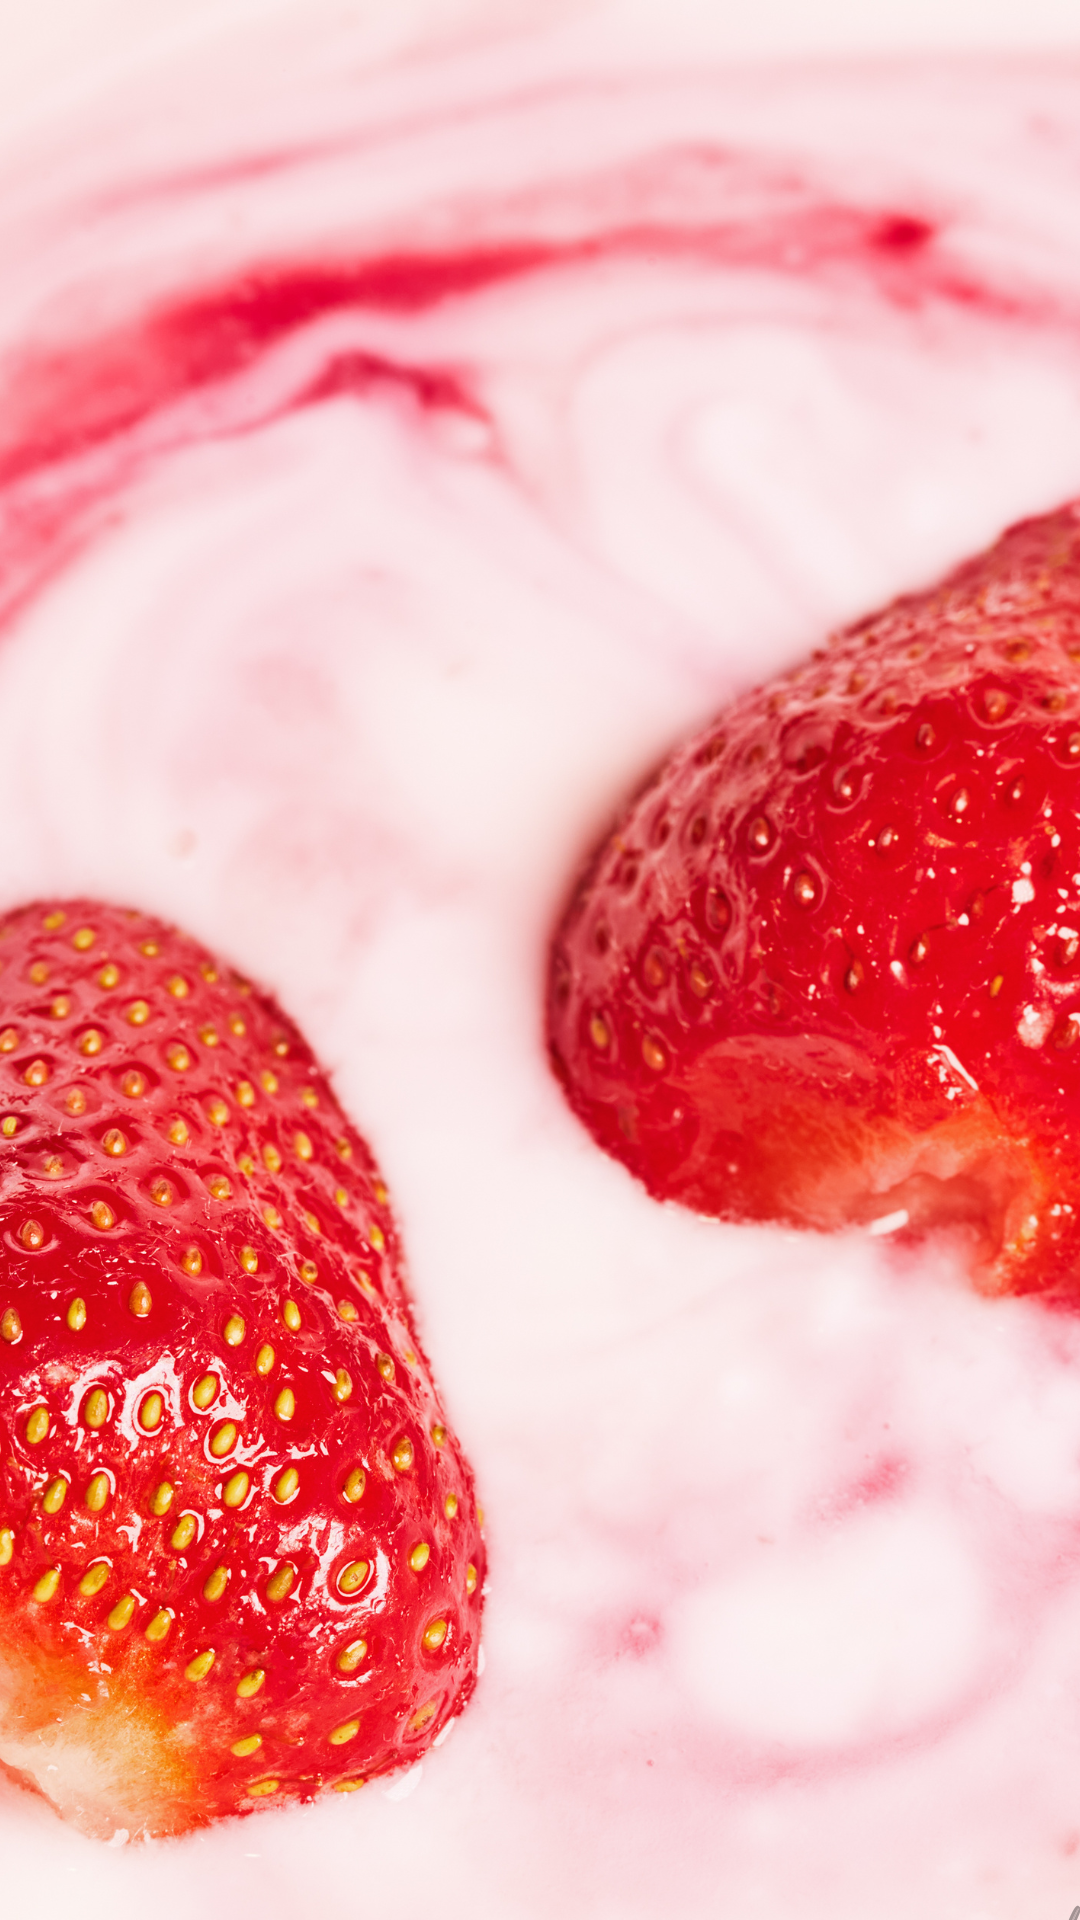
(396, 460)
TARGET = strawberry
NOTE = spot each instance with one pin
(826, 969)
(240, 1558)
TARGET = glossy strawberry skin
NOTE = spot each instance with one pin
(827, 965)
(201, 1292)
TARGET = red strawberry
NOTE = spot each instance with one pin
(240, 1557)
(827, 967)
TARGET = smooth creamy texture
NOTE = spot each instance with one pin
(647, 377)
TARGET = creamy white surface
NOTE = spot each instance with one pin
(785, 1535)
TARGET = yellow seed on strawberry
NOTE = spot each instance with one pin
(37, 1426)
(205, 1391)
(96, 1407)
(286, 1485)
(150, 1412)
(280, 1583)
(98, 1490)
(352, 1577)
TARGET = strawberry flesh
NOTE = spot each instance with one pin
(240, 1557)
(826, 968)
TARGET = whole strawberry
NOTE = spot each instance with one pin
(240, 1558)
(826, 970)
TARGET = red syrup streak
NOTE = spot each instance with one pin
(786, 1546)
(99, 398)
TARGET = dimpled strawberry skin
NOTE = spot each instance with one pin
(240, 1557)
(827, 967)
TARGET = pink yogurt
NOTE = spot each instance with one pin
(395, 460)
